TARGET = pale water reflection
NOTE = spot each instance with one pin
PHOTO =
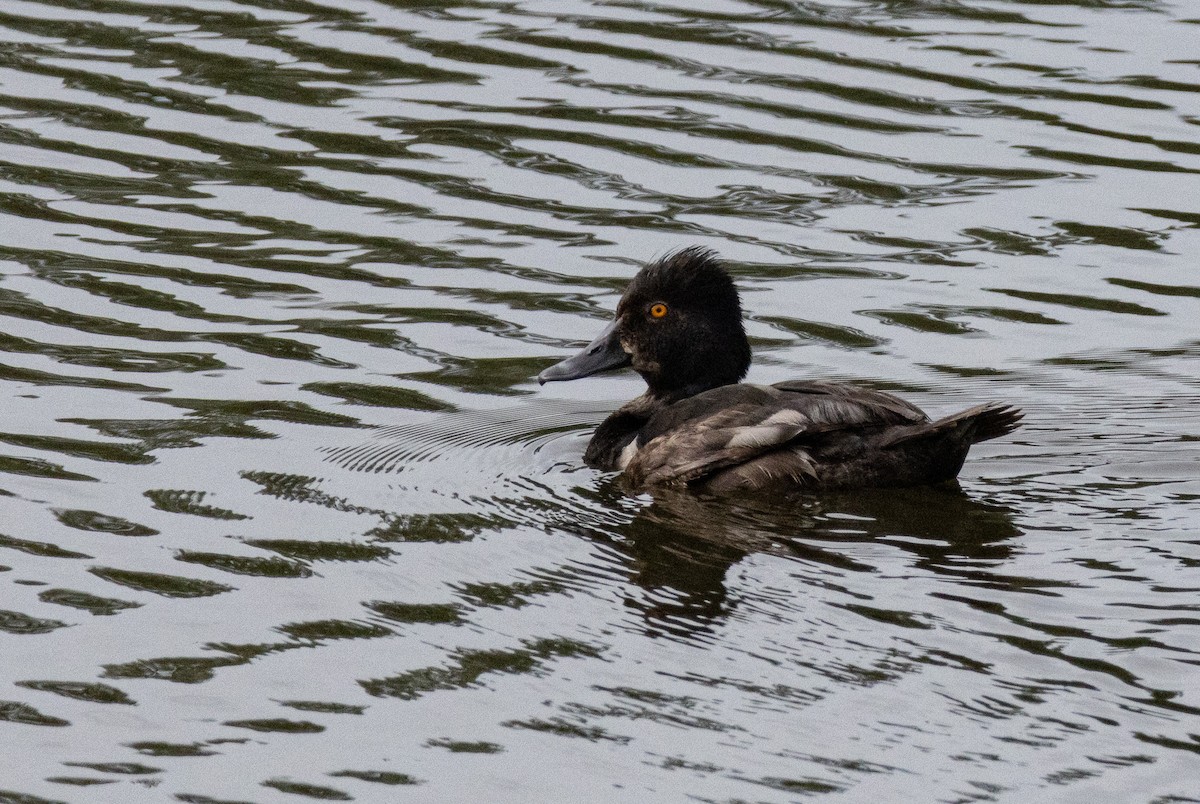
(285, 514)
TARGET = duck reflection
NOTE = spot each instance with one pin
(681, 546)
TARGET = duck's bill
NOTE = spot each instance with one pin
(603, 354)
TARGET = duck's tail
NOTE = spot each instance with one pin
(985, 422)
(970, 426)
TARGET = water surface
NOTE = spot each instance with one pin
(285, 514)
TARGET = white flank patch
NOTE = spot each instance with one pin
(775, 429)
(759, 436)
(627, 454)
(793, 418)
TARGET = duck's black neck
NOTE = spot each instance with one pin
(716, 356)
(669, 396)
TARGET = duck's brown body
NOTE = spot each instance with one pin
(679, 325)
(788, 437)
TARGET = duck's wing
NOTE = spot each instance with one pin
(839, 402)
(705, 444)
(735, 424)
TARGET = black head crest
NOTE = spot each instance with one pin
(694, 276)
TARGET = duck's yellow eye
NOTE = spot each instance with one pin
(658, 310)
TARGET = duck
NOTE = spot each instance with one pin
(679, 325)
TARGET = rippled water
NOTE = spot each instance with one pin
(286, 515)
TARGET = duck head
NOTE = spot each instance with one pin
(679, 325)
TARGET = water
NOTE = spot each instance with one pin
(285, 515)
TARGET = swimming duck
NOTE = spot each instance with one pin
(679, 325)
